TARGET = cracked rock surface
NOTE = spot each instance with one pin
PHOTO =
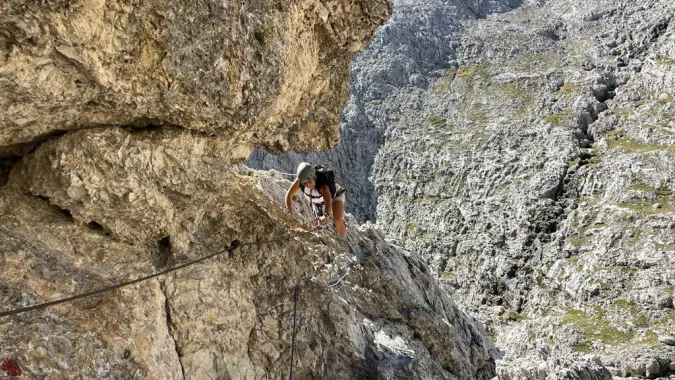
(260, 72)
(530, 161)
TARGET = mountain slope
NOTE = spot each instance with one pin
(533, 171)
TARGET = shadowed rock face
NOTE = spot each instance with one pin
(260, 72)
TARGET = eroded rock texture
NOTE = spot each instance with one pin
(259, 72)
(526, 149)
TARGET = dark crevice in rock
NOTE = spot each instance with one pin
(5, 167)
(550, 33)
(144, 125)
(12, 153)
(162, 257)
(15, 151)
(96, 226)
(658, 30)
(63, 211)
(641, 48)
(169, 326)
(584, 158)
(605, 92)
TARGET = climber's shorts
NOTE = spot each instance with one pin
(340, 197)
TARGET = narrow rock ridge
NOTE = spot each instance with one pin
(170, 327)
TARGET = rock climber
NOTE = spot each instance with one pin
(327, 197)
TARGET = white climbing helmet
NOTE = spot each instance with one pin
(305, 172)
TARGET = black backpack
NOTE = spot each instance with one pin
(325, 176)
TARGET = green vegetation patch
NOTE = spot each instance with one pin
(663, 191)
(666, 61)
(664, 247)
(584, 347)
(630, 272)
(640, 186)
(647, 208)
(579, 241)
(573, 162)
(636, 312)
(446, 82)
(596, 327)
(666, 100)
(516, 317)
(568, 88)
(558, 118)
(411, 227)
(492, 338)
(635, 238)
(631, 146)
(447, 275)
(650, 339)
(623, 112)
(615, 132)
(664, 198)
(436, 121)
(265, 36)
(623, 304)
(473, 71)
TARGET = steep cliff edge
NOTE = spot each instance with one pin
(120, 127)
(531, 164)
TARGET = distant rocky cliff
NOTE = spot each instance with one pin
(526, 150)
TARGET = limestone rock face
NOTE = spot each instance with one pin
(531, 161)
(364, 309)
(259, 72)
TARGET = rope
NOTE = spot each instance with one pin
(233, 245)
(339, 280)
(282, 173)
(295, 308)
